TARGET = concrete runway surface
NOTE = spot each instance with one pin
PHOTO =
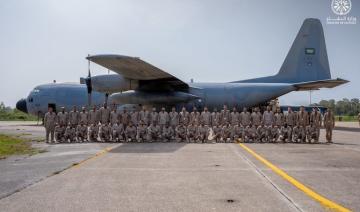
(178, 176)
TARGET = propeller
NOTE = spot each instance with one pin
(88, 84)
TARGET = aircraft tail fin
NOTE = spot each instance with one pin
(306, 60)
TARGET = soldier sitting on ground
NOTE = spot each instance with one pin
(299, 134)
(93, 132)
(167, 133)
(130, 132)
(70, 134)
(237, 132)
(226, 133)
(153, 132)
(59, 133)
(191, 133)
(202, 133)
(141, 132)
(217, 130)
(117, 132)
(285, 133)
(180, 132)
(262, 133)
(274, 134)
(250, 134)
(105, 132)
(81, 132)
(312, 133)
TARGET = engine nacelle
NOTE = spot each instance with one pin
(140, 97)
(112, 83)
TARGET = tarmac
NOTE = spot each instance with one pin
(182, 177)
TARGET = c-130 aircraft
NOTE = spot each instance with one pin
(306, 67)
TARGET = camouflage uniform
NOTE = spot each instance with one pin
(141, 132)
(237, 132)
(329, 124)
(180, 133)
(83, 117)
(125, 118)
(250, 134)
(234, 117)
(285, 133)
(184, 117)
(299, 134)
(195, 117)
(268, 117)
(117, 130)
(226, 133)
(278, 118)
(174, 118)
(130, 133)
(224, 116)
(70, 134)
(163, 118)
(63, 118)
(191, 133)
(93, 132)
(217, 130)
(104, 114)
(290, 118)
(315, 118)
(153, 133)
(202, 133)
(215, 118)
(154, 117)
(245, 118)
(303, 118)
(262, 133)
(274, 134)
(205, 117)
(74, 117)
(311, 133)
(135, 117)
(105, 131)
(94, 117)
(59, 133)
(49, 123)
(114, 117)
(256, 117)
(167, 133)
(81, 132)
(144, 116)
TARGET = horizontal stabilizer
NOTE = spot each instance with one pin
(316, 85)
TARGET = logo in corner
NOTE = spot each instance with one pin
(341, 7)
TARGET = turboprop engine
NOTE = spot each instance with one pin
(140, 97)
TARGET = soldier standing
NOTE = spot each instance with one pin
(184, 117)
(256, 117)
(315, 118)
(154, 117)
(163, 118)
(215, 118)
(93, 117)
(174, 118)
(302, 117)
(104, 114)
(195, 117)
(114, 116)
(62, 117)
(329, 124)
(144, 116)
(49, 123)
(268, 117)
(135, 116)
(125, 118)
(234, 117)
(290, 118)
(205, 117)
(224, 116)
(245, 117)
(74, 117)
(83, 116)
(278, 118)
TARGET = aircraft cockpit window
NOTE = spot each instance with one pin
(31, 99)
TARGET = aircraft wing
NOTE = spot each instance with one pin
(316, 85)
(149, 76)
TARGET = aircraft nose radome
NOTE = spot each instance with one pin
(21, 105)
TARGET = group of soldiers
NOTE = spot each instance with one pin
(110, 125)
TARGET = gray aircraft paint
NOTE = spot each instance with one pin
(306, 63)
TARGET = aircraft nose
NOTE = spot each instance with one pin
(21, 105)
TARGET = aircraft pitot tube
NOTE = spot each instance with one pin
(140, 97)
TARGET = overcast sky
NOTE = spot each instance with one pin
(210, 41)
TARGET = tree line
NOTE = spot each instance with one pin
(344, 107)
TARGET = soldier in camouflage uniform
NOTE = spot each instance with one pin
(114, 116)
(105, 131)
(93, 132)
(63, 117)
(83, 116)
(205, 117)
(191, 133)
(153, 132)
(70, 134)
(262, 133)
(135, 116)
(154, 117)
(250, 134)
(234, 117)
(74, 117)
(130, 133)
(81, 132)
(245, 117)
(285, 133)
(329, 124)
(49, 124)
(184, 117)
(278, 118)
(104, 114)
(299, 134)
(59, 133)
(141, 132)
(180, 133)
(311, 133)
(217, 130)
(237, 132)
(226, 133)
(302, 117)
(144, 116)
(315, 118)
(173, 118)
(163, 118)
(117, 130)
(215, 118)
(125, 118)
(167, 133)
(224, 116)
(274, 134)
(256, 117)
(202, 133)
(195, 117)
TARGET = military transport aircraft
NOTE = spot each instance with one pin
(306, 67)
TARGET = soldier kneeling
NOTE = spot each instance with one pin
(81, 132)
(59, 133)
(70, 134)
(117, 132)
(202, 133)
(237, 132)
(105, 132)
(285, 133)
(93, 132)
(153, 133)
(226, 133)
(262, 133)
(312, 133)
(141, 132)
(250, 134)
(130, 133)
(167, 133)
(191, 133)
(217, 132)
(274, 134)
(180, 132)
(299, 134)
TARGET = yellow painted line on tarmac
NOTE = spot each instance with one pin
(321, 199)
(100, 153)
